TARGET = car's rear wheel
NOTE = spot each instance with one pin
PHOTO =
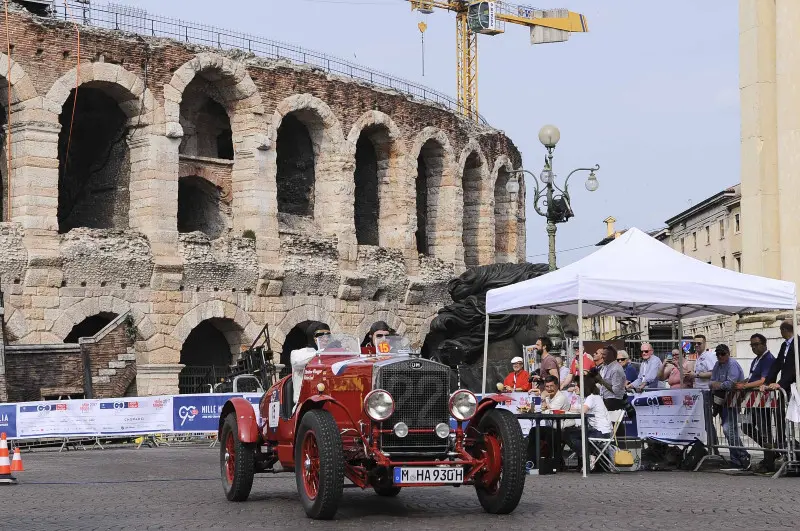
(236, 461)
(388, 492)
(500, 486)
(319, 464)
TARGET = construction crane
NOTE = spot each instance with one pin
(489, 18)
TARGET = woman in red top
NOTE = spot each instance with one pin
(518, 379)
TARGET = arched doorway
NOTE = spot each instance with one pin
(430, 165)
(206, 125)
(296, 159)
(505, 223)
(471, 183)
(373, 160)
(89, 326)
(208, 353)
(93, 162)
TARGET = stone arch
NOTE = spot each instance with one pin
(213, 106)
(16, 324)
(434, 219)
(238, 91)
(135, 100)
(310, 183)
(305, 312)
(376, 147)
(392, 319)
(473, 175)
(89, 306)
(504, 218)
(107, 153)
(215, 309)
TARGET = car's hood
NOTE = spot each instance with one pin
(341, 367)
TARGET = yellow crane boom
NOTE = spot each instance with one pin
(489, 18)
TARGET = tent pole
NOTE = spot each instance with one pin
(796, 354)
(485, 354)
(579, 367)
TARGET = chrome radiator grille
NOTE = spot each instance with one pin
(421, 391)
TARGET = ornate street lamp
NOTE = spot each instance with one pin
(551, 202)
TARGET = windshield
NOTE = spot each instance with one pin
(393, 344)
(337, 344)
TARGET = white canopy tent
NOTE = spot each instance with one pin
(637, 276)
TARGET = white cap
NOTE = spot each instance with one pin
(516, 359)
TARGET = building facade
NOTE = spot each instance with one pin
(208, 192)
(710, 231)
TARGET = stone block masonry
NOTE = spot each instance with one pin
(209, 192)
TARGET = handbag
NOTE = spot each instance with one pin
(623, 458)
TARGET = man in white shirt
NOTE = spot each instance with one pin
(706, 359)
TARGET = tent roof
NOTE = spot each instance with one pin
(636, 275)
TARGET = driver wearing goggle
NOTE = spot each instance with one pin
(322, 338)
(377, 334)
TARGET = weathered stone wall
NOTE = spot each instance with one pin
(259, 264)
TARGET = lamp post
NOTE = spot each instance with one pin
(552, 203)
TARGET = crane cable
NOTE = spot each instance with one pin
(8, 119)
(68, 11)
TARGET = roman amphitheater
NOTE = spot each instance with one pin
(200, 192)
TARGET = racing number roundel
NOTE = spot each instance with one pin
(384, 348)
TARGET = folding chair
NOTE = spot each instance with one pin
(602, 448)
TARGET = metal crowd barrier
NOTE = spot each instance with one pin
(742, 422)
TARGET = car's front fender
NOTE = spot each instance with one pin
(245, 419)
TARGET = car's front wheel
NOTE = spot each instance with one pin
(319, 464)
(237, 462)
(500, 486)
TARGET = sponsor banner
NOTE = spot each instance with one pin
(8, 420)
(149, 414)
(670, 415)
(116, 416)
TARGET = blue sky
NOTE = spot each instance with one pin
(650, 93)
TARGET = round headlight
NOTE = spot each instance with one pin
(378, 405)
(442, 430)
(401, 429)
(463, 404)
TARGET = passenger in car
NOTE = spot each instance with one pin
(317, 336)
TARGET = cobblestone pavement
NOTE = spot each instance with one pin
(179, 488)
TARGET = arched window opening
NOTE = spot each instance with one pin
(430, 164)
(207, 354)
(93, 162)
(471, 183)
(199, 207)
(504, 218)
(296, 172)
(206, 125)
(89, 326)
(367, 202)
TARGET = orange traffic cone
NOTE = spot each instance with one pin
(5, 464)
(16, 461)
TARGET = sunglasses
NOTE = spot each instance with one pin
(320, 334)
(380, 336)
(646, 351)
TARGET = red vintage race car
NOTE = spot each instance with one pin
(381, 420)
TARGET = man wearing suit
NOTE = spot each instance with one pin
(784, 364)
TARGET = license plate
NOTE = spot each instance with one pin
(428, 474)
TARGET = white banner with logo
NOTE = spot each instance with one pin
(117, 416)
(671, 415)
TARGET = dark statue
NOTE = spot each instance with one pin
(457, 332)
